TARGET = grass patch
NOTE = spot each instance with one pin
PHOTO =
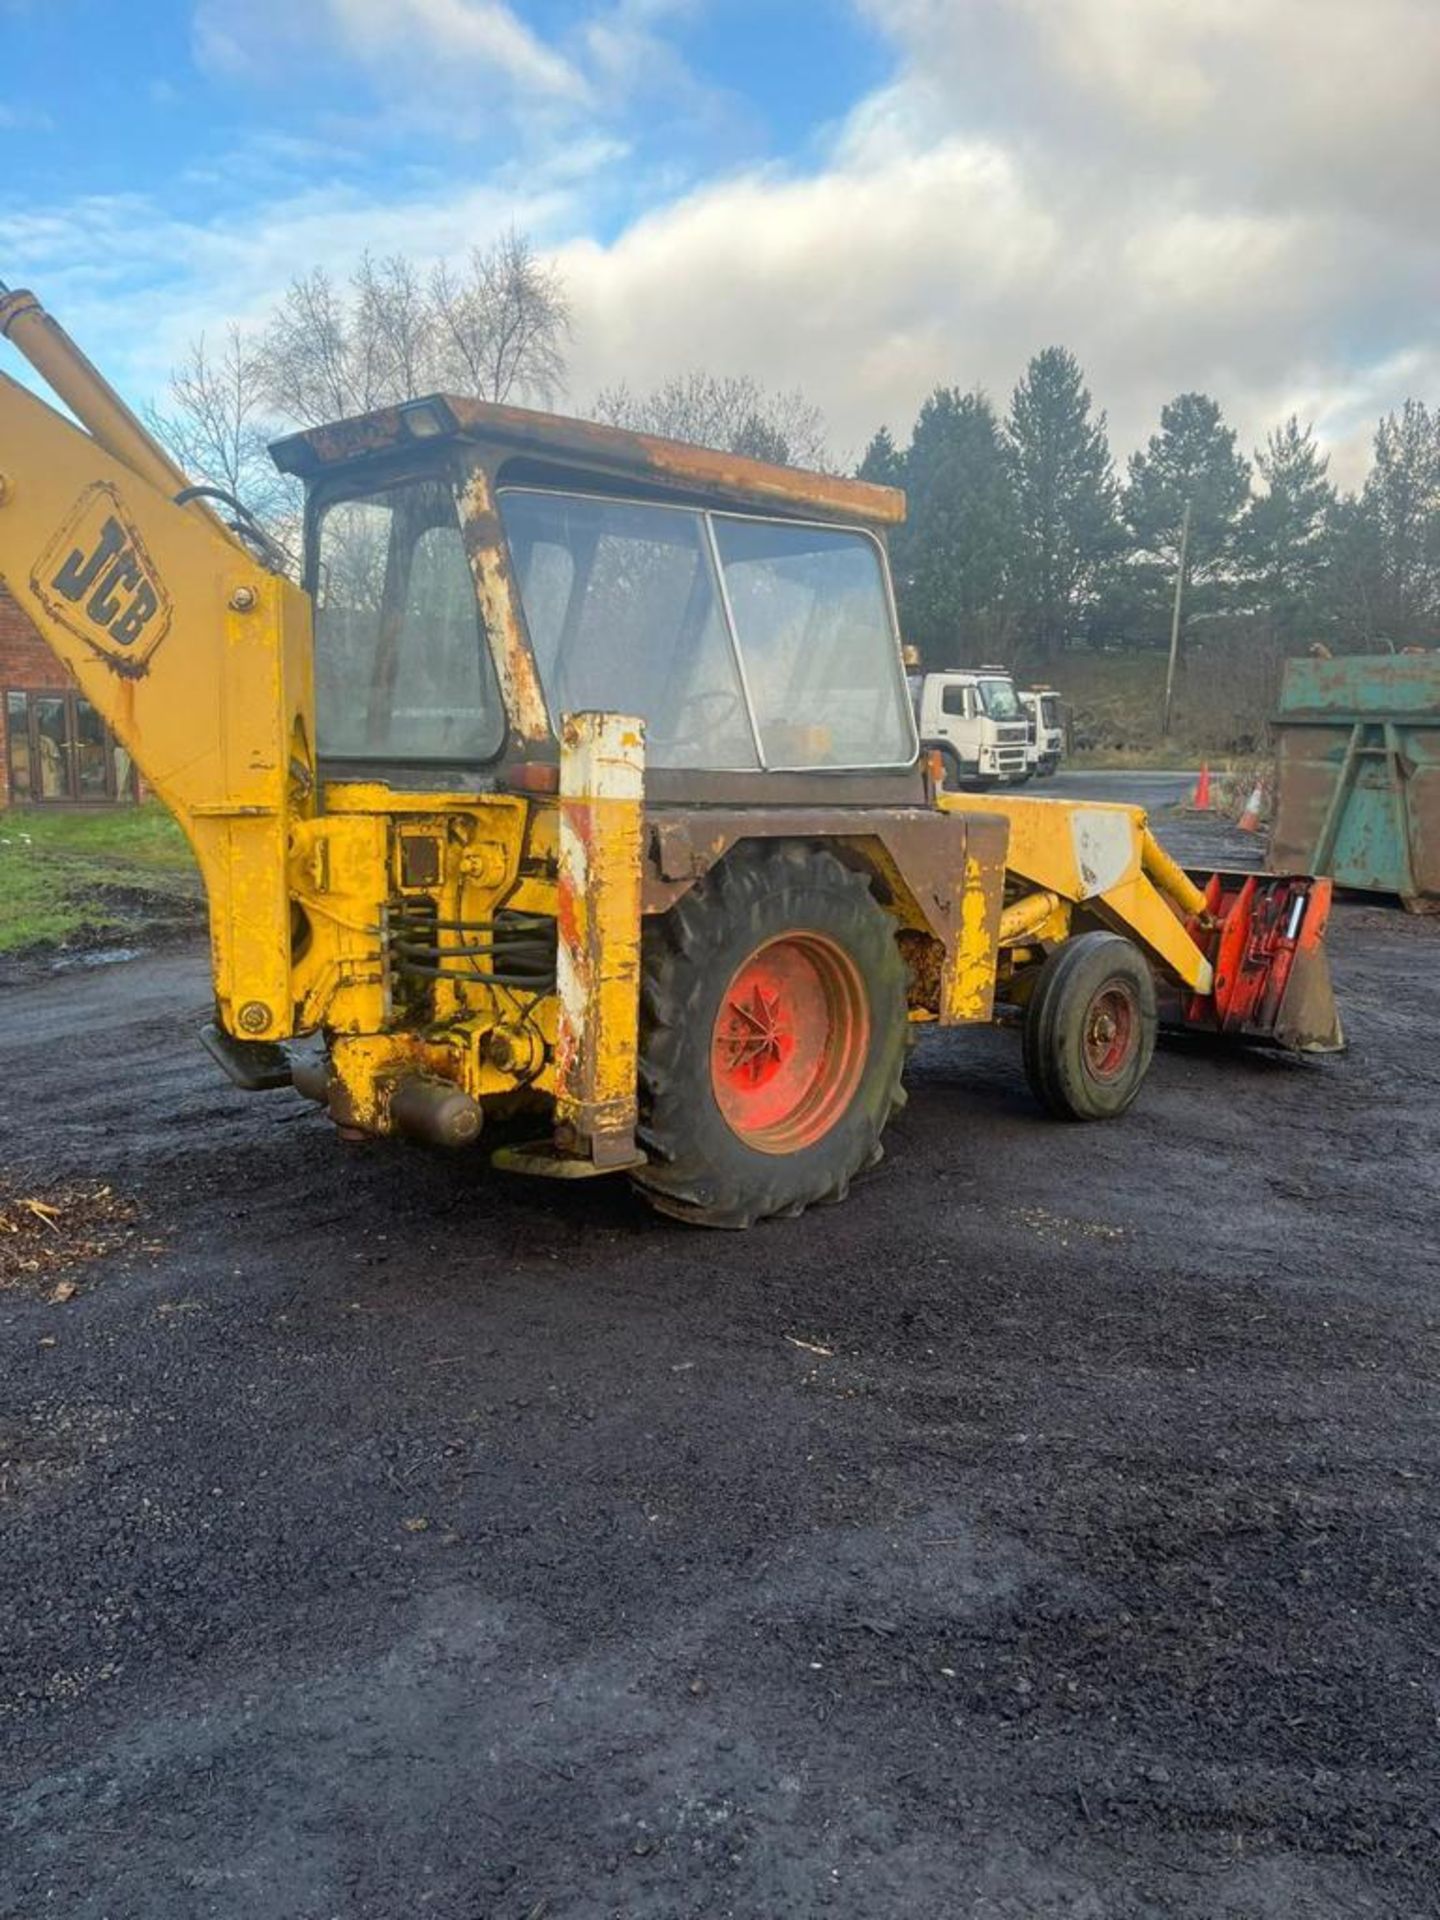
(79, 878)
(1170, 759)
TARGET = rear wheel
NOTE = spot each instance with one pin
(1089, 1031)
(774, 1030)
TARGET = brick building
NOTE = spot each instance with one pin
(55, 750)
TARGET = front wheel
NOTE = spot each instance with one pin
(1089, 1032)
(774, 1030)
(952, 768)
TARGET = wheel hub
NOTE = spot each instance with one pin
(1111, 1031)
(789, 1044)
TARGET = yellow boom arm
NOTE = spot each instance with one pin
(1102, 857)
(198, 658)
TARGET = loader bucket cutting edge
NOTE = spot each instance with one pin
(1264, 935)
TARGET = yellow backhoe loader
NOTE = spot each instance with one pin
(579, 779)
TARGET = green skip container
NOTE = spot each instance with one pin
(1358, 774)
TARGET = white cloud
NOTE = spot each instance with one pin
(135, 284)
(1237, 196)
(1232, 196)
(461, 68)
(484, 34)
(409, 42)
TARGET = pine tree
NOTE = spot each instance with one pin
(1066, 499)
(1402, 499)
(1350, 613)
(955, 554)
(1191, 461)
(1286, 534)
(884, 463)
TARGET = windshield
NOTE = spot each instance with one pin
(402, 672)
(624, 616)
(1000, 700)
(813, 624)
(792, 662)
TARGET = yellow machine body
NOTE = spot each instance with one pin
(346, 905)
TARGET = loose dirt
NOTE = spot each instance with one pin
(1048, 1531)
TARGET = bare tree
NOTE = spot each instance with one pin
(329, 350)
(393, 330)
(218, 426)
(497, 330)
(734, 413)
(312, 367)
(502, 326)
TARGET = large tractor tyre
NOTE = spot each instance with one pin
(1089, 1032)
(774, 1028)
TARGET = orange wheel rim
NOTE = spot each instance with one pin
(1112, 1032)
(789, 1043)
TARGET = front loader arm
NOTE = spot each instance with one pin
(198, 658)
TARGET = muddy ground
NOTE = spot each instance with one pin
(1051, 1530)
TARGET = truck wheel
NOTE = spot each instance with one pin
(774, 1028)
(1090, 1027)
(951, 767)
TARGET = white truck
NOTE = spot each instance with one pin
(972, 718)
(1045, 747)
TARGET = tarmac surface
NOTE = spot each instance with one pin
(1048, 1531)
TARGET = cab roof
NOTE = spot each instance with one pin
(521, 432)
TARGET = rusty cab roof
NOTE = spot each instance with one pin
(525, 439)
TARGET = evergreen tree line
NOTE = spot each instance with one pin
(1023, 541)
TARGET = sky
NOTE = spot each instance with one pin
(863, 198)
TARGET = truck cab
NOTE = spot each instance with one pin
(1045, 747)
(972, 718)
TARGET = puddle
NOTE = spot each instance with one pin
(96, 957)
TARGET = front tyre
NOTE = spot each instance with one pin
(774, 1027)
(1089, 1032)
(952, 768)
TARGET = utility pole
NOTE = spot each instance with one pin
(1175, 622)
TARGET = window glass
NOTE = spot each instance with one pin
(623, 615)
(91, 752)
(1001, 700)
(952, 700)
(17, 726)
(402, 671)
(52, 739)
(815, 633)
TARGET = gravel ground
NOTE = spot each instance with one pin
(1049, 1531)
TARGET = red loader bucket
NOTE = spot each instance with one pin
(1264, 936)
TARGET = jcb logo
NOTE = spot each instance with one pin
(97, 579)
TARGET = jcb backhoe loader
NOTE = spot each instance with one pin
(580, 778)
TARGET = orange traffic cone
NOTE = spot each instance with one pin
(1249, 821)
(1200, 799)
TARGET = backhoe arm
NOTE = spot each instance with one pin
(198, 658)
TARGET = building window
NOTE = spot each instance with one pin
(60, 752)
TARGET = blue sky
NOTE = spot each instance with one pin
(861, 197)
(144, 98)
